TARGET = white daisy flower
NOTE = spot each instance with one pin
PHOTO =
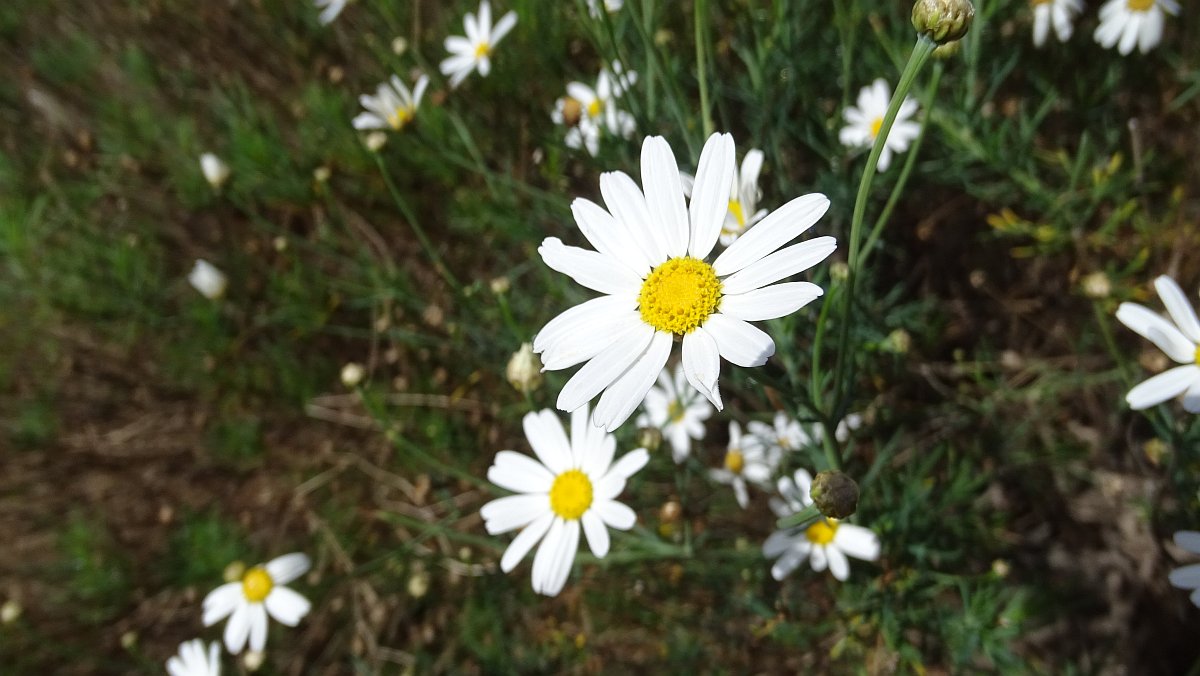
(610, 6)
(193, 661)
(207, 279)
(474, 52)
(678, 410)
(393, 105)
(827, 542)
(259, 593)
(745, 461)
(572, 486)
(215, 171)
(1188, 577)
(846, 426)
(595, 110)
(1126, 23)
(330, 9)
(1059, 13)
(863, 122)
(785, 436)
(650, 264)
(1179, 338)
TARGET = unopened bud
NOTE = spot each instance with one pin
(839, 271)
(524, 370)
(322, 174)
(352, 374)
(649, 438)
(943, 20)
(216, 172)
(898, 341)
(572, 111)
(418, 582)
(1096, 285)
(835, 494)
(500, 285)
(234, 571)
(948, 50)
(253, 659)
(10, 611)
(375, 141)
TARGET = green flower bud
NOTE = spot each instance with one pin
(943, 20)
(835, 494)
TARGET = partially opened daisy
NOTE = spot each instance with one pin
(1058, 13)
(192, 660)
(592, 112)
(745, 461)
(785, 436)
(1188, 577)
(259, 593)
(864, 121)
(1178, 337)
(474, 52)
(826, 543)
(571, 487)
(1129, 23)
(650, 264)
(330, 9)
(393, 105)
(678, 410)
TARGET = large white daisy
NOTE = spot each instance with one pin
(745, 461)
(650, 264)
(1178, 337)
(192, 660)
(572, 486)
(1126, 23)
(474, 52)
(678, 410)
(826, 543)
(259, 593)
(1058, 13)
(1188, 577)
(864, 121)
(393, 105)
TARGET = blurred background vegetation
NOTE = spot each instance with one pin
(150, 436)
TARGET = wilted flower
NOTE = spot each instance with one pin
(207, 279)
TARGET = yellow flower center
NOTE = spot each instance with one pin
(1198, 355)
(822, 532)
(256, 584)
(571, 494)
(679, 295)
(595, 107)
(400, 117)
(675, 411)
(1140, 5)
(734, 461)
(875, 125)
(482, 49)
(735, 208)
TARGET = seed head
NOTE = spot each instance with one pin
(835, 494)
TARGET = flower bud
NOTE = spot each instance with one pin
(500, 285)
(835, 494)
(352, 374)
(253, 660)
(943, 20)
(1096, 286)
(375, 141)
(215, 171)
(207, 279)
(524, 370)
(649, 438)
(10, 612)
(572, 111)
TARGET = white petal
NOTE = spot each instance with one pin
(702, 364)
(547, 553)
(1130, 37)
(222, 601)
(525, 541)
(857, 541)
(286, 605)
(615, 514)
(589, 268)
(1162, 387)
(583, 319)
(622, 398)
(1187, 577)
(513, 511)
(288, 567)
(629, 464)
(609, 235)
(1182, 312)
(1189, 540)
(664, 196)
(778, 228)
(549, 440)
(520, 473)
(738, 342)
(783, 263)
(627, 204)
(710, 194)
(1191, 398)
(258, 627)
(790, 560)
(604, 368)
(598, 460)
(818, 559)
(503, 26)
(596, 532)
(770, 302)
(564, 557)
(751, 168)
(779, 542)
(238, 629)
(1158, 330)
(838, 565)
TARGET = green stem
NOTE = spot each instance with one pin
(803, 518)
(411, 217)
(699, 10)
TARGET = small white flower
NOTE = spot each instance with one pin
(650, 265)
(393, 105)
(597, 109)
(827, 542)
(1126, 23)
(678, 410)
(785, 436)
(745, 461)
(1188, 577)
(610, 6)
(259, 593)
(215, 171)
(572, 486)
(192, 660)
(847, 425)
(330, 9)
(1178, 338)
(1059, 13)
(474, 52)
(207, 279)
(864, 121)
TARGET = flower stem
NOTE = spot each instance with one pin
(699, 11)
(801, 519)
(411, 217)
